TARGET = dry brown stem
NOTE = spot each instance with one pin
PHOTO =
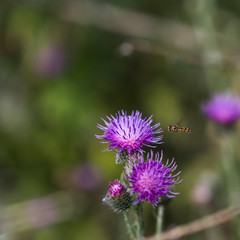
(171, 39)
(206, 222)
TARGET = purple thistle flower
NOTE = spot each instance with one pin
(116, 189)
(222, 108)
(129, 132)
(152, 180)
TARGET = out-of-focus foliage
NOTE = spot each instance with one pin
(58, 77)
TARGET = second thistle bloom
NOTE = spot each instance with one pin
(223, 108)
(152, 180)
(130, 132)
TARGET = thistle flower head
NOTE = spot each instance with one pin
(117, 197)
(222, 108)
(129, 132)
(152, 180)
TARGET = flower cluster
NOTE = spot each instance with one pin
(146, 178)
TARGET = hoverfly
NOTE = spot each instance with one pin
(177, 128)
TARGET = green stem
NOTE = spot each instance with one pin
(202, 13)
(159, 219)
(230, 169)
(128, 225)
(231, 174)
(139, 221)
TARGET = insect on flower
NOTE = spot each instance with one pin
(177, 128)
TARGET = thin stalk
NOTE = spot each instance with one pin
(231, 174)
(230, 169)
(159, 225)
(202, 13)
(139, 221)
(128, 225)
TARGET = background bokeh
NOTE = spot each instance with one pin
(65, 64)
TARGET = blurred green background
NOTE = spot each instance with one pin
(65, 64)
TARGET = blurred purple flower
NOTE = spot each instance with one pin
(222, 108)
(49, 61)
(202, 194)
(42, 212)
(203, 191)
(129, 132)
(86, 177)
(152, 180)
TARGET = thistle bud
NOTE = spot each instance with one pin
(117, 197)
